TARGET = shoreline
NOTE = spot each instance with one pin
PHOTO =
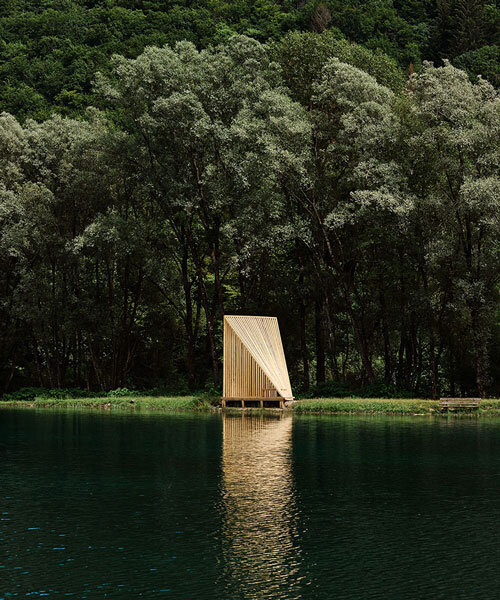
(315, 406)
(128, 403)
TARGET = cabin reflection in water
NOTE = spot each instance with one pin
(259, 530)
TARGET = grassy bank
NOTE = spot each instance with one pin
(391, 406)
(161, 403)
(367, 406)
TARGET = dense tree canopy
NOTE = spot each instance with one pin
(50, 50)
(304, 178)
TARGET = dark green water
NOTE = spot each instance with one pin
(100, 505)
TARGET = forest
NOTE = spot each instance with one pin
(50, 50)
(336, 165)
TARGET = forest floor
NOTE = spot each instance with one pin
(367, 406)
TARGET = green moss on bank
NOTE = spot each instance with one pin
(122, 403)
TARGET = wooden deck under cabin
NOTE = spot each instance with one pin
(252, 402)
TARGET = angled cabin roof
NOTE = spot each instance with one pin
(261, 337)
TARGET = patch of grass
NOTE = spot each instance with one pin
(490, 406)
(366, 405)
(174, 403)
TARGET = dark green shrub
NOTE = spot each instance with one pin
(124, 393)
(23, 394)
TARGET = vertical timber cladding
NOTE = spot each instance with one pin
(254, 361)
(245, 379)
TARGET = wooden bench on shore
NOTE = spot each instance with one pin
(446, 404)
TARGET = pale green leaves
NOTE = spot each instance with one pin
(482, 198)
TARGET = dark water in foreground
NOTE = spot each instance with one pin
(97, 505)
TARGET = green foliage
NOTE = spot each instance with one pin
(23, 394)
(215, 181)
(122, 393)
(484, 62)
(301, 74)
(50, 51)
(32, 393)
(490, 407)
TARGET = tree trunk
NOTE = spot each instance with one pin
(433, 366)
(217, 278)
(337, 261)
(480, 352)
(37, 363)
(11, 373)
(389, 372)
(320, 341)
(360, 338)
(303, 344)
(206, 307)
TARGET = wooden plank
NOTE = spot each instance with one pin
(450, 403)
(460, 403)
(450, 399)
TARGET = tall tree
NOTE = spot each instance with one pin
(453, 169)
(202, 135)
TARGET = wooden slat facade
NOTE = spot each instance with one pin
(254, 362)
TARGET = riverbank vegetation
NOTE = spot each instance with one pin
(369, 406)
(350, 193)
(394, 406)
(204, 402)
(140, 403)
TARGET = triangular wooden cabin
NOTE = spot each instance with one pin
(254, 362)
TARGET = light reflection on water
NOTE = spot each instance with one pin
(260, 552)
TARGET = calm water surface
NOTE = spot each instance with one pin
(97, 505)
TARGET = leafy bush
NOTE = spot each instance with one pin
(26, 394)
(123, 393)
(211, 395)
